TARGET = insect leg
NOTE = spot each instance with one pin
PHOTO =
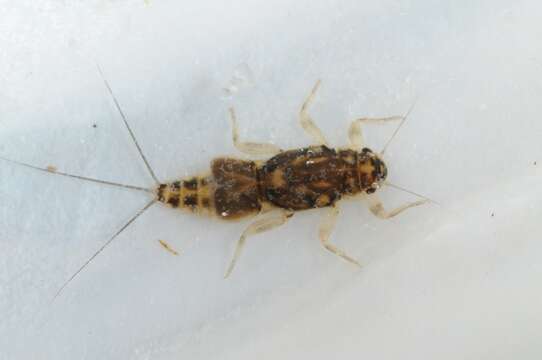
(250, 148)
(326, 227)
(355, 135)
(376, 207)
(257, 227)
(306, 121)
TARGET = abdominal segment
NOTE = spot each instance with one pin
(230, 191)
(194, 194)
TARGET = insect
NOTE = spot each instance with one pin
(316, 176)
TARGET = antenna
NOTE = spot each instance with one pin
(152, 202)
(399, 126)
(410, 192)
(151, 172)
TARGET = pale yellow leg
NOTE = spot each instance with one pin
(326, 227)
(376, 207)
(250, 148)
(306, 121)
(355, 135)
(259, 226)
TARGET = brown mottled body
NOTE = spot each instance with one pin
(230, 191)
(294, 180)
(317, 176)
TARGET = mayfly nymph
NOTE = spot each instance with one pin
(316, 176)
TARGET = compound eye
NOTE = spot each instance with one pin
(383, 172)
(370, 190)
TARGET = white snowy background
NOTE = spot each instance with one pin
(459, 280)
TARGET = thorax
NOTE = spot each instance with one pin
(309, 177)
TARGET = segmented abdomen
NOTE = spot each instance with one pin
(195, 194)
(236, 193)
(230, 191)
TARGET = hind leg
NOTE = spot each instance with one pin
(355, 135)
(306, 121)
(250, 148)
(269, 222)
(376, 207)
(326, 227)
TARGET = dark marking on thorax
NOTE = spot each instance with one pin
(309, 177)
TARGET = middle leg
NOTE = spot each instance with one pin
(306, 121)
(326, 227)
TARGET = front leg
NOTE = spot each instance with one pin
(355, 135)
(376, 207)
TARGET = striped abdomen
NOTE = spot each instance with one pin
(230, 191)
(195, 194)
